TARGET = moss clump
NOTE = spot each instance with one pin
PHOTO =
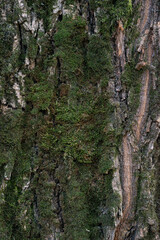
(76, 229)
(65, 141)
(43, 9)
(111, 12)
(32, 48)
(69, 41)
(98, 59)
(131, 80)
(69, 2)
(13, 166)
(82, 135)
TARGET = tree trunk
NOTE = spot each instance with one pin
(80, 119)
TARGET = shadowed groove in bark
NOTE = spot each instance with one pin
(91, 19)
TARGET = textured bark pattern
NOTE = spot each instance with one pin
(142, 114)
(80, 120)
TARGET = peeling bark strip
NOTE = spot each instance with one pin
(120, 36)
(127, 162)
(146, 76)
(147, 5)
(126, 169)
(144, 95)
(127, 188)
(126, 166)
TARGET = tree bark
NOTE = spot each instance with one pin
(80, 120)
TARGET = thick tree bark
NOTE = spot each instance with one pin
(80, 119)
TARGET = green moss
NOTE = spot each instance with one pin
(12, 161)
(43, 9)
(32, 48)
(131, 80)
(98, 59)
(112, 201)
(76, 229)
(69, 42)
(69, 2)
(110, 13)
(6, 35)
(64, 140)
(82, 136)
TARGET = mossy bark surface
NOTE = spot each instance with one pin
(79, 120)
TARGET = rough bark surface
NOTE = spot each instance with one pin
(79, 120)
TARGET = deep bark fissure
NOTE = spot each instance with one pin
(91, 19)
(34, 204)
(23, 47)
(57, 192)
(59, 82)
